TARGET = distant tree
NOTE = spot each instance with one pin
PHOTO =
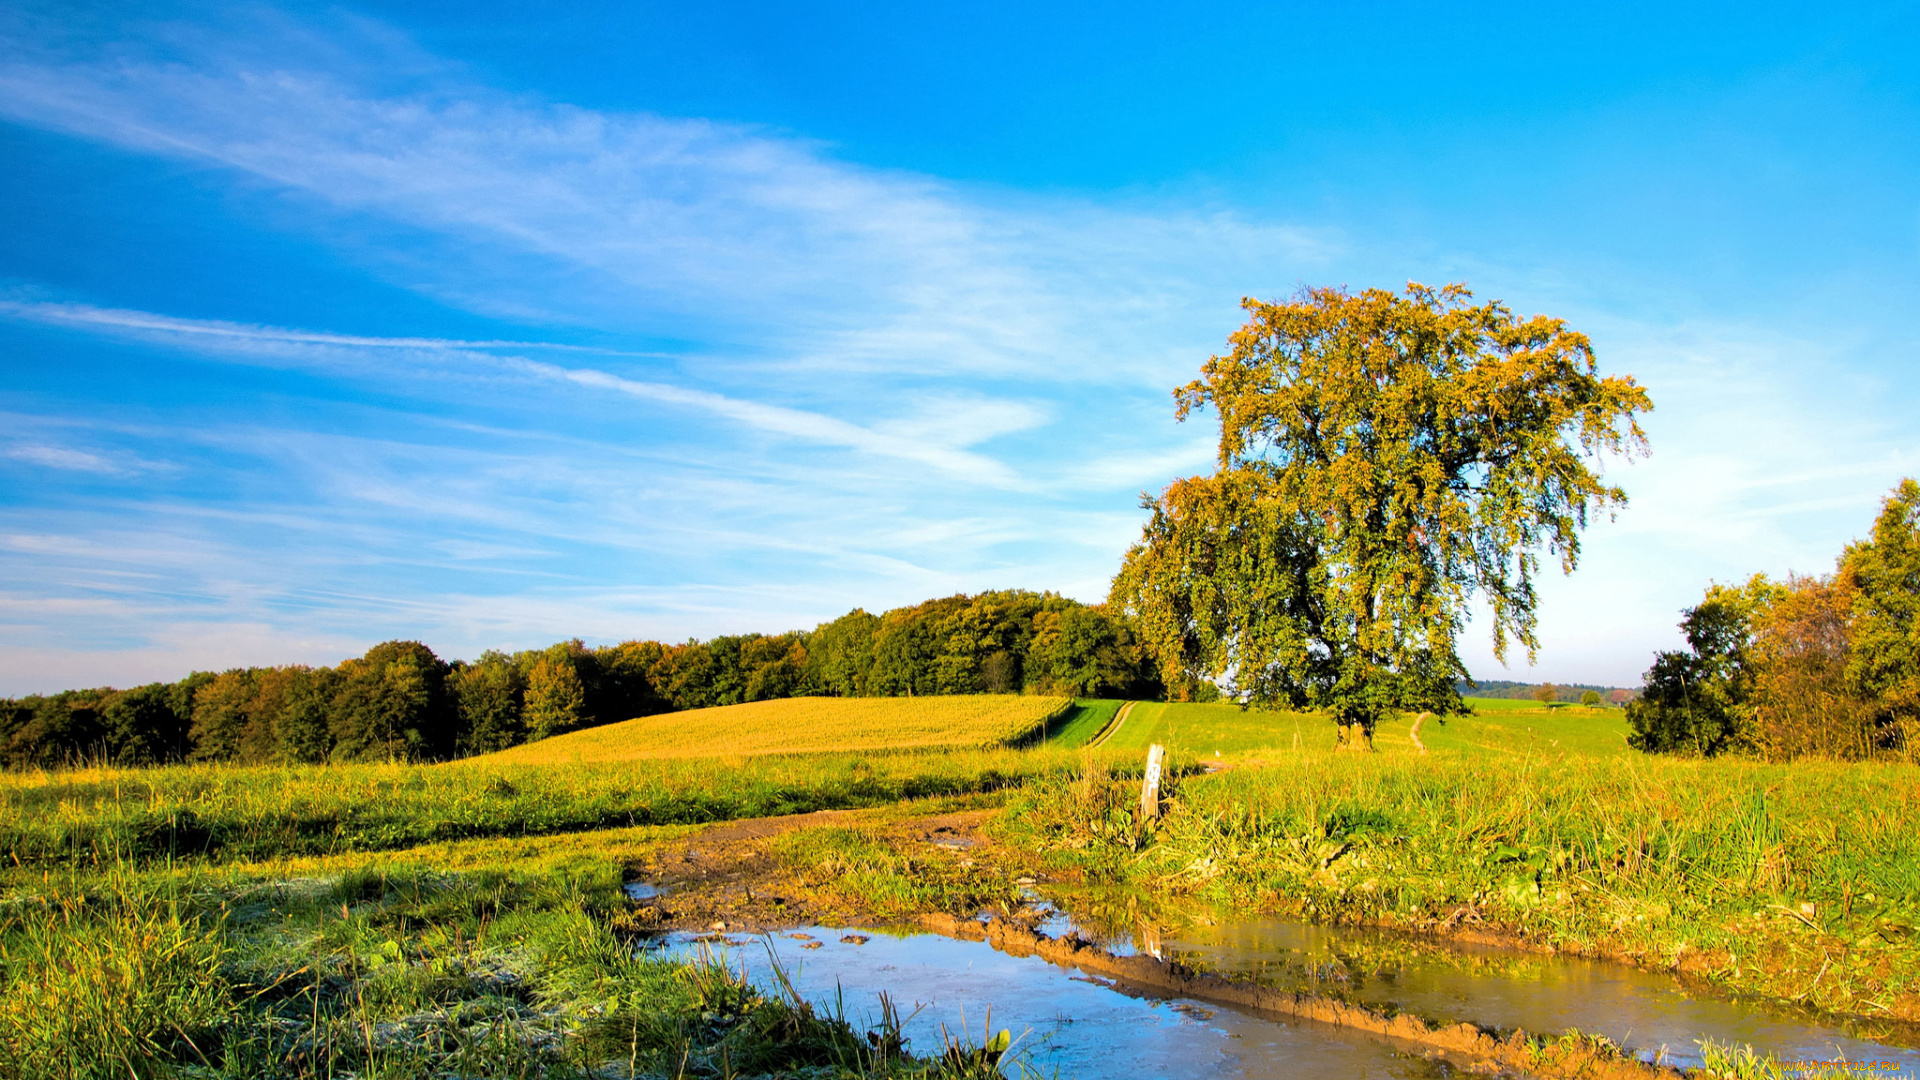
(305, 733)
(392, 705)
(1382, 459)
(1591, 699)
(489, 695)
(1883, 576)
(1695, 701)
(55, 729)
(220, 715)
(145, 727)
(1800, 702)
(625, 688)
(1089, 652)
(908, 646)
(1546, 693)
(778, 678)
(840, 655)
(556, 699)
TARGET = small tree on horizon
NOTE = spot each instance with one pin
(1590, 699)
(1383, 458)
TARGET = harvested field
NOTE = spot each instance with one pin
(802, 725)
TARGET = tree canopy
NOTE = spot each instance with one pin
(1696, 701)
(1882, 574)
(1382, 459)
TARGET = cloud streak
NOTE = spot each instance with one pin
(922, 447)
(686, 220)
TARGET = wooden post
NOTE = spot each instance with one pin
(1150, 788)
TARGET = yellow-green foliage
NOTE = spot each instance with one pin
(800, 725)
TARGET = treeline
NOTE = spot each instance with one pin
(1818, 666)
(401, 702)
(1522, 691)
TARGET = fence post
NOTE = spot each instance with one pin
(1150, 788)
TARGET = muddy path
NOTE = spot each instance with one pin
(735, 877)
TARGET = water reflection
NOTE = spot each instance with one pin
(1066, 1024)
(1651, 1013)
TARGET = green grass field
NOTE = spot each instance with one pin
(433, 920)
(1202, 731)
(107, 817)
(1496, 728)
(1082, 722)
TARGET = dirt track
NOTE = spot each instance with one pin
(728, 877)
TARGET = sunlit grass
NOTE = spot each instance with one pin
(1082, 722)
(102, 817)
(1797, 881)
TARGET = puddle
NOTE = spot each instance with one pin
(1066, 1024)
(1644, 1011)
(644, 892)
(947, 838)
(1078, 1026)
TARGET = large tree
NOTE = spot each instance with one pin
(1883, 576)
(1699, 701)
(1382, 459)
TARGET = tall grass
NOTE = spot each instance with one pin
(99, 817)
(1799, 881)
(108, 987)
(392, 973)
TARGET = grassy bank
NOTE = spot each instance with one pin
(1798, 882)
(438, 922)
(388, 970)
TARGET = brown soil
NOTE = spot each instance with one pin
(728, 878)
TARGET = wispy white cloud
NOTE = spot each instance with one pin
(60, 457)
(722, 223)
(934, 442)
(91, 316)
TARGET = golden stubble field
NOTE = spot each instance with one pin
(801, 725)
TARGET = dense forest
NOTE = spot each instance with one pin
(400, 701)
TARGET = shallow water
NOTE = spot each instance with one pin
(1652, 1014)
(1076, 1026)
(1063, 1023)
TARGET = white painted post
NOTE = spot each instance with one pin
(1150, 788)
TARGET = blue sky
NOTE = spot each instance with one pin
(488, 328)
